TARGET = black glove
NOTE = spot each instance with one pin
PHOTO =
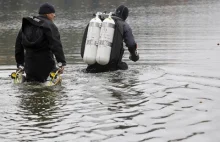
(134, 56)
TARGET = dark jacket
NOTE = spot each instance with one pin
(36, 44)
(122, 33)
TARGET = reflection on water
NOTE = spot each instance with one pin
(170, 95)
(38, 101)
(141, 104)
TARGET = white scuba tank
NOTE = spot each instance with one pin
(105, 41)
(92, 39)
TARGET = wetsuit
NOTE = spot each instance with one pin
(37, 43)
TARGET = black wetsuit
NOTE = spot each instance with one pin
(36, 44)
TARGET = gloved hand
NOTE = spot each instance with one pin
(61, 68)
(20, 68)
(134, 56)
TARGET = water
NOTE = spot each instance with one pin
(170, 95)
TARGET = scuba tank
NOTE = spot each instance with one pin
(105, 41)
(91, 44)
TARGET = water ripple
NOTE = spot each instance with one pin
(170, 94)
(185, 138)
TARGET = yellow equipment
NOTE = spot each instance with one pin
(54, 79)
(18, 76)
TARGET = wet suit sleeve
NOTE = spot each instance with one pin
(19, 50)
(130, 43)
(55, 44)
(129, 38)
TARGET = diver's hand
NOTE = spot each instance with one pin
(61, 69)
(134, 56)
(20, 68)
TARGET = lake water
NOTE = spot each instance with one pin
(169, 95)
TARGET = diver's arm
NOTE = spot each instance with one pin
(130, 43)
(19, 50)
(55, 44)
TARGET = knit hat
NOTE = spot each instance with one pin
(46, 8)
(122, 12)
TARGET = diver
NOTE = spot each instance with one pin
(37, 43)
(122, 33)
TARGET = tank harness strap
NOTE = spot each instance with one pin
(105, 42)
(91, 42)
